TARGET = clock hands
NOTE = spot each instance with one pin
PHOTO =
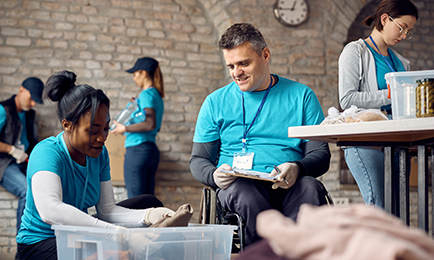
(293, 6)
(291, 9)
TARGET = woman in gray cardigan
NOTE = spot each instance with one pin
(362, 66)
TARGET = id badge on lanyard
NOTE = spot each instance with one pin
(244, 160)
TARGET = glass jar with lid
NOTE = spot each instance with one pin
(425, 97)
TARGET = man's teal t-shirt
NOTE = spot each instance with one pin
(51, 155)
(22, 117)
(289, 103)
(148, 98)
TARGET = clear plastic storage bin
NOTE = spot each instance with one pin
(201, 242)
(402, 91)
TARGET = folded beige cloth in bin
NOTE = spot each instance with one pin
(356, 232)
(180, 219)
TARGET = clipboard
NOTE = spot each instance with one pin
(264, 176)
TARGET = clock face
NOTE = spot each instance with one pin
(291, 12)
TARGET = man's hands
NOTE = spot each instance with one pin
(18, 154)
(289, 172)
(285, 180)
(154, 214)
(222, 180)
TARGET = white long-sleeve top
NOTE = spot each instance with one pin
(357, 77)
(47, 193)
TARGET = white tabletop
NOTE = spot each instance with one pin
(403, 130)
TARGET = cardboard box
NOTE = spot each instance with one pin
(115, 146)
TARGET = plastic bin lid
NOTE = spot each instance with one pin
(416, 73)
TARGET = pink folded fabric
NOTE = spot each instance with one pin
(356, 232)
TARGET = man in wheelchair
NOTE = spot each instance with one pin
(244, 125)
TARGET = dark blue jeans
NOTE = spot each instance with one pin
(14, 181)
(140, 165)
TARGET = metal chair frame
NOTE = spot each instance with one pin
(212, 212)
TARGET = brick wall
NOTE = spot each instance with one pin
(99, 39)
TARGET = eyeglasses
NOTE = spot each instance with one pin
(408, 33)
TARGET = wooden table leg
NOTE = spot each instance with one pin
(388, 184)
(404, 212)
(422, 187)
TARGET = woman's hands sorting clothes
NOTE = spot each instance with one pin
(153, 215)
(223, 180)
(287, 177)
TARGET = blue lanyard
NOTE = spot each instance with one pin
(388, 64)
(257, 113)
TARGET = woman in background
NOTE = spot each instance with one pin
(69, 173)
(362, 66)
(142, 155)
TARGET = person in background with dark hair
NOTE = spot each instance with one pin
(69, 173)
(245, 125)
(142, 155)
(362, 66)
(18, 136)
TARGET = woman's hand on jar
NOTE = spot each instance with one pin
(119, 129)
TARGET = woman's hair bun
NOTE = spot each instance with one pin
(58, 84)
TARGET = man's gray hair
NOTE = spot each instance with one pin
(240, 33)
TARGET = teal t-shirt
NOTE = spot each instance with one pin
(148, 98)
(289, 103)
(22, 116)
(2, 117)
(51, 155)
(381, 68)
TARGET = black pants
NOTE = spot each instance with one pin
(249, 197)
(140, 166)
(47, 250)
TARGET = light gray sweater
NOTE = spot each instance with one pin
(357, 77)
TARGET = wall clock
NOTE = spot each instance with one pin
(291, 12)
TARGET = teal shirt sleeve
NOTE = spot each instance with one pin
(312, 109)
(146, 99)
(207, 129)
(2, 117)
(46, 149)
